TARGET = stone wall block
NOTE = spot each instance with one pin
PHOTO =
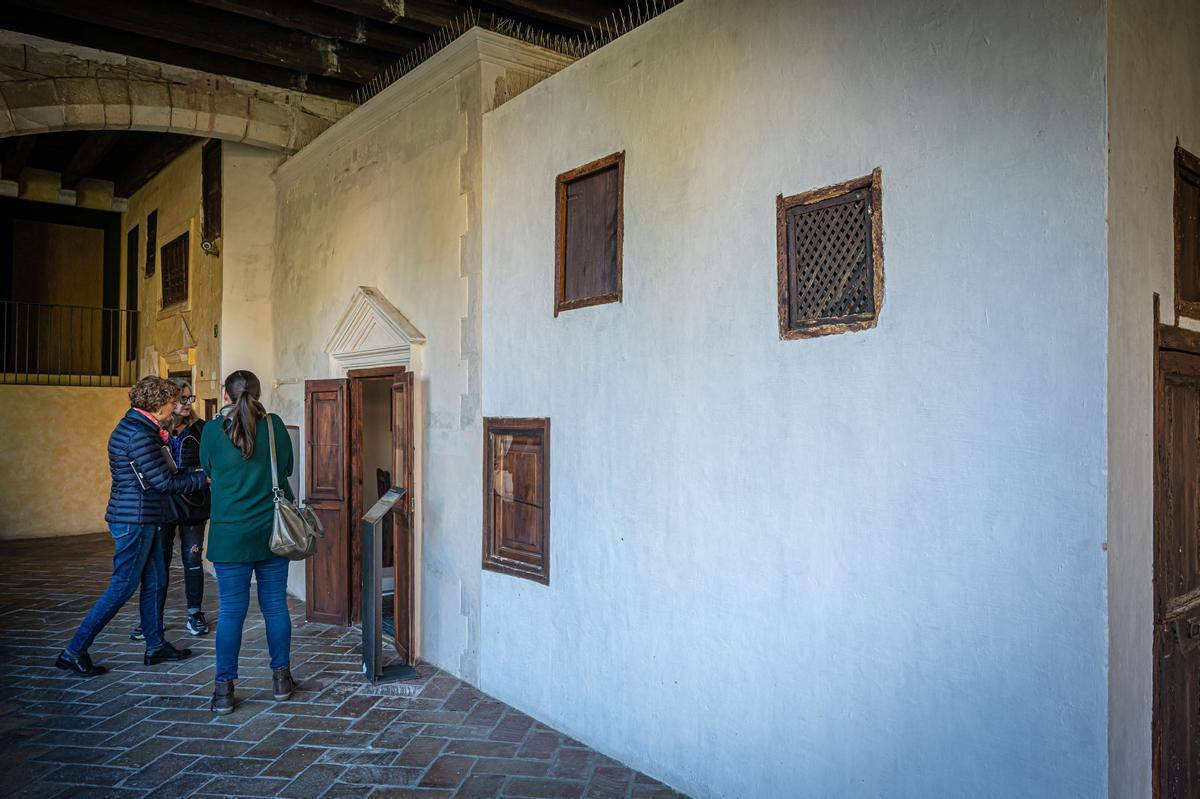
(81, 101)
(269, 125)
(34, 105)
(307, 128)
(91, 193)
(12, 55)
(149, 105)
(115, 94)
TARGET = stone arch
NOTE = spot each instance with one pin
(46, 86)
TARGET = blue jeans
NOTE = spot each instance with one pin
(233, 587)
(137, 559)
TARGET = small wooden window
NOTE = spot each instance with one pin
(516, 497)
(151, 242)
(1187, 233)
(211, 182)
(590, 229)
(830, 258)
(175, 270)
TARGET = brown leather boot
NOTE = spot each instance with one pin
(282, 682)
(222, 701)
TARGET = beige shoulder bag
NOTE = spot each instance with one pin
(296, 529)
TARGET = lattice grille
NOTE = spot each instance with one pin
(831, 271)
(175, 271)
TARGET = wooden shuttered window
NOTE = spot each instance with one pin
(830, 258)
(175, 270)
(516, 496)
(151, 242)
(1187, 233)
(589, 233)
(211, 183)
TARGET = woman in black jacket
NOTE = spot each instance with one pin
(141, 480)
(188, 514)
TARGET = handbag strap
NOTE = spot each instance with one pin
(274, 469)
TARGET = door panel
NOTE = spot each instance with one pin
(326, 434)
(1177, 578)
(402, 540)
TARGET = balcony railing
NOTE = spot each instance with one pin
(67, 345)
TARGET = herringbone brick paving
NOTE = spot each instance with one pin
(147, 732)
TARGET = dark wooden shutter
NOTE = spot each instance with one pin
(402, 558)
(590, 229)
(151, 242)
(516, 523)
(211, 183)
(327, 594)
(1187, 232)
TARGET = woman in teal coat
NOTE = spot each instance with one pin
(235, 454)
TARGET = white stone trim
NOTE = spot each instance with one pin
(368, 312)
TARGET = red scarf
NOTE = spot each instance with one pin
(161, 432)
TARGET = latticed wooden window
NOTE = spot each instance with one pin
(830, 258)
(175, 270)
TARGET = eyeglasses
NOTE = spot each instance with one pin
(186, 400)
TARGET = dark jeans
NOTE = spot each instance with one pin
(137, 559)
(233, 586)
(191, 553)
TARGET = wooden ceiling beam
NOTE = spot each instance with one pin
(88, 157)
(578, 15)
(16, 155)
(52, 26)
(183, 23)
(321, 21)
(426, 16)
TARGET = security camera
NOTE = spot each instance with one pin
(209, 247)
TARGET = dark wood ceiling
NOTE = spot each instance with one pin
(327, 47)
(128, 158)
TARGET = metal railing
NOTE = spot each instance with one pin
(67, 345)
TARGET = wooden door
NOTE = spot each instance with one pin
(1177, 577)
(327, 588)
(402, 540)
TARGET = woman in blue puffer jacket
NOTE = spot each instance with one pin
(141, 477)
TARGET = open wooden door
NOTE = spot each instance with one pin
(327, 591)
(1177, 577)
(402, 540)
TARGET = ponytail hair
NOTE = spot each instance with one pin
(244, 390)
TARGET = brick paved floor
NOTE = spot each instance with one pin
(147, 731)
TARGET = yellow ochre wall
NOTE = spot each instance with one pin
(54, 477)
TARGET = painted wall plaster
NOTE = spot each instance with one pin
(1154, 99)
(248, 258)
(389, 197)
(166, 334)
(864, 565)
(40, 465)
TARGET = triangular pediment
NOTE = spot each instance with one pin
(373, 332)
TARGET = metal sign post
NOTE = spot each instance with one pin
(372, 592)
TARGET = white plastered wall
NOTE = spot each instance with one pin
(1154, 99)
(863, 565)
(389, 198)
(247, 251)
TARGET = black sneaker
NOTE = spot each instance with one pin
(196, 623)
(137, 634)
(165, 653)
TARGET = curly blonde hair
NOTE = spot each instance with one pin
(152, 392)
